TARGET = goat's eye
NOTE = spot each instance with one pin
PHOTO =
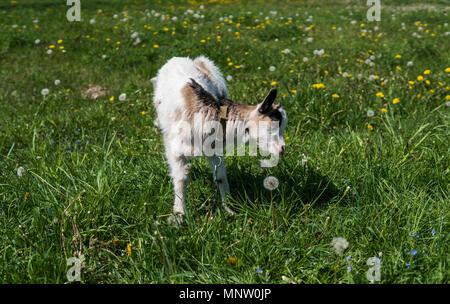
(247, 130)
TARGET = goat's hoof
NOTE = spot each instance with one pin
(228, 209)
(176, 220)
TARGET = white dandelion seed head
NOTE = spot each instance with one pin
(104, 56)
(304, 162)
(271, 68)
(286, 51)
(229, 78)
(305, 59)
(447, 103)
(410, 63)
(49, 52)
(271, 183)
(92, 21)
(370, 113)
(123, 97)
(20, 171)
(37, 41)
(309, 39)
(57, 82)
(339, 245)
(134, 35)
(45, 91)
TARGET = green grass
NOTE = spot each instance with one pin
(373, 187)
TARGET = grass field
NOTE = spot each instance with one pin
(367, 154)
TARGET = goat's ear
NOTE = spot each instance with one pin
(203, 95)
(266, 105)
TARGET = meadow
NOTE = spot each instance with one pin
(82, 165)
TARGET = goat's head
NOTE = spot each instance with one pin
(266, 125)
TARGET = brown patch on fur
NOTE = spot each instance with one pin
(195, 103)
(203, 69)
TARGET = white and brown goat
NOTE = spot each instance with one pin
(185, 90)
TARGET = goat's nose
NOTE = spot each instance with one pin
(283, 148)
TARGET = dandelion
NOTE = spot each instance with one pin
(229, 78)
(271, 183)
(410, 63)
(318, 85)
(111, 99)
(271, 68)
(380, 94)
(395, 100)
(339, 244)
(273, 83)
(143, 113)
(115, 241)
(129, 249)
(233, 261)
(420, 78)
(37, 41)
(398, 56)
(370, 127)
(370, 113)
(426, 72)
(49, 52)
(305, 59)
(335, 96)
(447, 70)
(57, 82)
(123, 97)
(45, 92)
(20, 171)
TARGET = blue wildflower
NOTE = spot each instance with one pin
(413, 252)
(413, 235)
(349, 257)
(408, 265)
(349, 268)
(433, 232)
(417, 236)
(259, 270)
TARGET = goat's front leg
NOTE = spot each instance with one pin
(220, 176)
(179, 173)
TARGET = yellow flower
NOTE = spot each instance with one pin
(419, 95)
(398, 56)
(447, 70)
(51, 46)
(420, 78)
(115, 241)
(273, 83)
(447, 97)
(237, 66)
(287, 138)
(203, 41)
(383, 110)
(129, 249)
(427, 82)
(411, 82)
(233, 261)
(335, 96)
(59, 41)
(380, 94)
(426, 72)
(108, 39)
(111, 99)
(370, 127)
(395, 100)
(61, 47)
(294, 91)
(118, 42)
(156, 46)
(143, 112)
(398, 68)
(318, 85)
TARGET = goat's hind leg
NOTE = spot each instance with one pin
(179, 173)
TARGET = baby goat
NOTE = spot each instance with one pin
(189, 94)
